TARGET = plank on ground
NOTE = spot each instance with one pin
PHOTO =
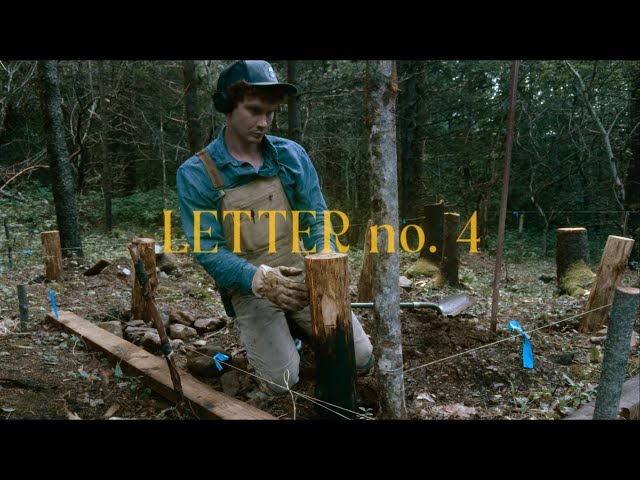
(630, 394)
(138, 361)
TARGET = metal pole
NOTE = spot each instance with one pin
(505, 194)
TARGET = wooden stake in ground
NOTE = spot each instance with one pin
(616, 352)
(146, 248)
(572, 261)
(23, 302)
(141, 278)
(328, 281)
(365, 282)
(612, 265)
(450, 262)
(52, 253)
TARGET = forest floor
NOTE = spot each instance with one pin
(454, 368)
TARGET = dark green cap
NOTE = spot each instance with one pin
(254, 72)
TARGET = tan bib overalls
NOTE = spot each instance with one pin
(264, 331)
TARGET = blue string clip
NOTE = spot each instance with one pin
(219, 356)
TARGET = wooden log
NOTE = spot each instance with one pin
(97, 268)
(433, 227)
(52, 255)
(23, 303)
(616, 352)
(572, 260)
(612, 265)
(328, 282)
(365, 282)
(140, 310)
(450, 261)
(136, 361)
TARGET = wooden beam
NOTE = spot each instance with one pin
(136, 361)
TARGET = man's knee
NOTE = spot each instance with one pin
(278, 381)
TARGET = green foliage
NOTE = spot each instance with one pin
(144, 208)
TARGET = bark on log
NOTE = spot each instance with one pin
(52, 255)
(328, 281)
(616, 352)
(365, 282)
(612, 265)
(140, 310)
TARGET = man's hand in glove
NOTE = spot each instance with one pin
(277, 285)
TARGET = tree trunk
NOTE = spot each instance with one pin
(572, 261)
(328, 281)
(62, 183)
(383, 87)
(612, 265)
(616, 352)
(365, 282)
(140, 310)
(450, 262)
(433, 227)
(52, 255)
(107, 176)
(293, 106)
(191, 107)
(411, 106)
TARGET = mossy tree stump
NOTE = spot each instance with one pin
(572, 261)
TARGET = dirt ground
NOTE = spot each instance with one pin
(453, 367)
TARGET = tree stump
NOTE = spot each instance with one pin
(328, 281)
(450, 263)
(365, 282)
(146, 250)
(572, 261)
(612, 265)
(52, 255)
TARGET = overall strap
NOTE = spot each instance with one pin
(212, 170)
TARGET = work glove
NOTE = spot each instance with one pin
(277, 285)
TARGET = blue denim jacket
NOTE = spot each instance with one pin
(282, 157)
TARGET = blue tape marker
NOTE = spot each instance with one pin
(298, 344)
(26, 252)
(219, 356)
(516, 214)
(527, 352)
(52, 297)
(404, 221)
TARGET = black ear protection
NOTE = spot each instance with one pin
(222, 102)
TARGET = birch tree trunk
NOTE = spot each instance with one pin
(64, 195)
(382, 91)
